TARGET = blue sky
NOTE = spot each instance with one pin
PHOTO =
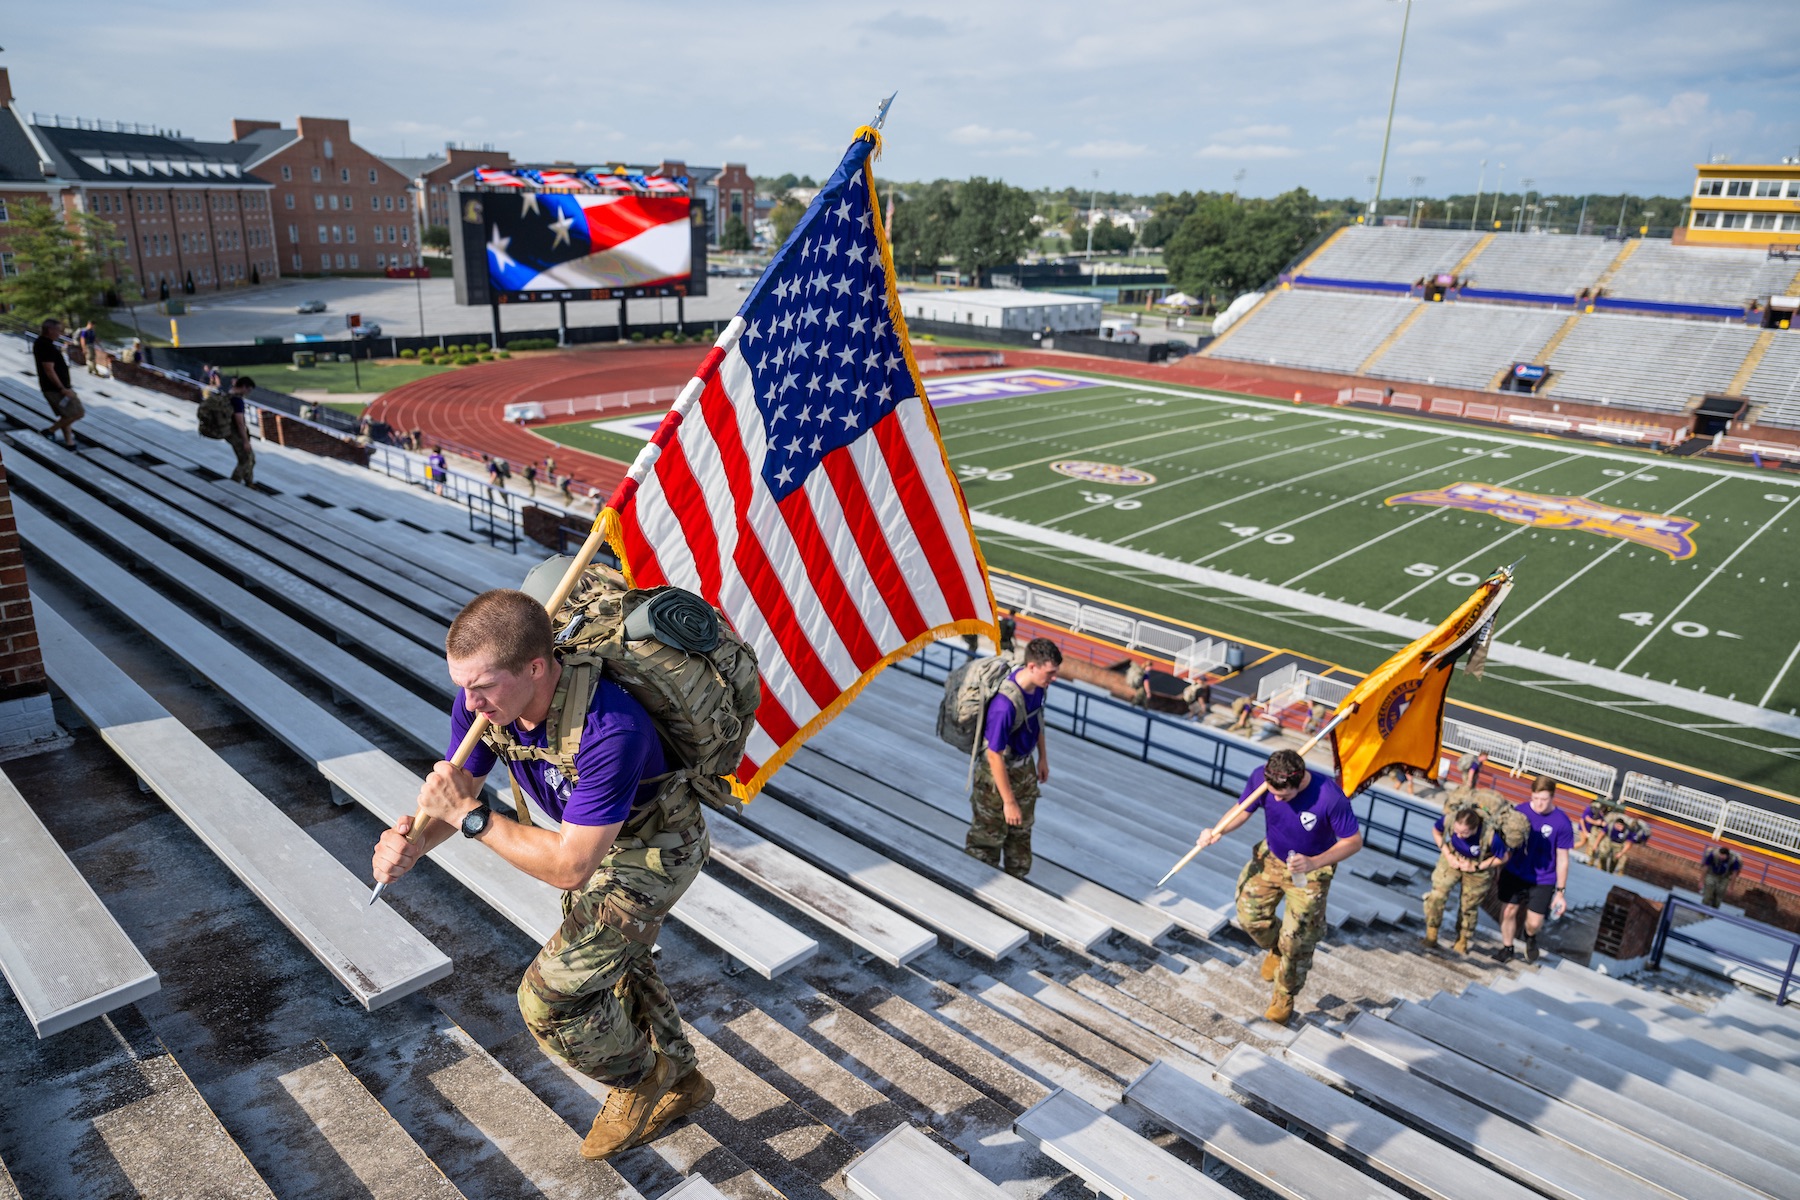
(1590, 95)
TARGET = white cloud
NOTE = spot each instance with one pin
(981, 135)
(1109, 150)
(1246, 152)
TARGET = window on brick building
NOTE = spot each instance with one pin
(350, 234)
(288, 173)
(405, 236)
(349, 202)
(297, 264)
(340, 261)
(5, 214)
(337, 233)
(344, 175)
(403, 204)
(406, 260)
(380, 261)
(391, 234)
(293, 233)
(327, 148)
(317, 174)
(331, 202)
(324, 234)
(353, 263)
(290, 199)
(373, 177)
(7, 267)
(378, 235)
(318, 202)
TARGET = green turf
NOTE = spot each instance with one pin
(1295, 498)
(341, 377)
(583, 436)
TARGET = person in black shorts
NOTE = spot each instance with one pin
(1534, 877)
(53, 381)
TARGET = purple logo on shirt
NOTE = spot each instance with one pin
(1395, 704)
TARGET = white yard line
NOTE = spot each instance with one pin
(1610, 551)
(1285, 483)
(1498, 542)
(1160, 433)
(1407, 630)
(1428, 516)
(1041, 418)
(1701, 586)
(1776, 682)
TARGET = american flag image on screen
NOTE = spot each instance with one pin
(800, 484)
(558, 241)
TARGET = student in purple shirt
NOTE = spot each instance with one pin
(631, 840)
(1309, 829)
(1535, 876)
(1014, 761)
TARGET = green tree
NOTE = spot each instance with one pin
(1169, 212)
(1224, 248)
(992, 227)
(61, 264)
(920, 234)
(786, 214)
(436, 237)
(1108, 238)
(735, 237)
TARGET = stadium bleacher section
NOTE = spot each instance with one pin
(1535, 262)
(1326, 331)
(1672, 274)
(1466, 345)
(1775, 384)
(1363, 252)
(1647, 363)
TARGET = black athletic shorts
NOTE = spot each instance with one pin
(1516, 889)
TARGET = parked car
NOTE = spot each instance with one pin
(311, 306)
(367, 330)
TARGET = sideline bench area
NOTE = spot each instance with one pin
(369, 949)
(64, 956)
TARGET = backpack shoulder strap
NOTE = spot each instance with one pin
(1015, 696)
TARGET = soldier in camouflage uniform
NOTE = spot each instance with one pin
(1013, 762)
(630, 842)
(1462, 862)
(1310, 829)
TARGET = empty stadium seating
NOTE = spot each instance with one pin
(1466, 345)
(1672, 274)
(1327, 331)
(1647, 363)
(1365, 252)
(1546, 264)
(1775, 384)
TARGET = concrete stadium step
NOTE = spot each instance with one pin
(1164, 1028)
(1021, 1046)
(1773, 1049)
(486, 1131)
(372, 952)
(1129, 917)
(1537, 1161)
(106, 1104)
(1059, 1030)
(1757, 1163)
(1100, 1020)
(1711, 1107)
(694, 1187)
(1113, 1160)
(906, 1163)
(308, 1123)
(1202, 1002)
(1366, 1135)
(63, 953)
(1754, 1011)
(1625, 1150)
(1184, 1099)
(1015, 900)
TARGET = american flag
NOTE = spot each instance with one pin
(799, 483)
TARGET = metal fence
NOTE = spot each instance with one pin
(1277, 683)
(1501, 749)
(610, 402)
(1200, 658)
(1135, 634)
(1590, 776)
(1666, 932)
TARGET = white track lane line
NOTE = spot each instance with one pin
(1432, 515)
(1617, 546)
(1701, 586)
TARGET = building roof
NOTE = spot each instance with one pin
(412, 168)
(19, 161)
(97, 155)
(1004, 298)
(258, 144)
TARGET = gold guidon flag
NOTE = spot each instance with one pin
(1396, 714)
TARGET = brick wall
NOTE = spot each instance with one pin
(283, 431)
(21, 663)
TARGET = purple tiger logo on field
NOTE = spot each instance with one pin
(1099, 472)
(1672, 535)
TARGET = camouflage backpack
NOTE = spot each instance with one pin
(673, 653)
(1497, 816)
(215, 414)
(962, 715)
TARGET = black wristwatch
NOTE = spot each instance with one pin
(476, 821)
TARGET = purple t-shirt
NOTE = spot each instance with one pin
(1000, 719)
(1496, 849)
(1311, 823)
(1550, 832)
(619, 750)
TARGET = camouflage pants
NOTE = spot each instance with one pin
(246, 459)
(1261, 887)
(1605, 855)
(592, 997)
(1444, 879)
(1713, 889)
(990, 838)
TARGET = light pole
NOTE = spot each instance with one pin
(1237, 179)
(1494, 212)
(1393, 95)
(1523, 198)
(1551, 205)
(1622, 200)
(1093, 203)
(1648, 213)
(1518, 212)
(1418, 181)
(1371, 217)
(1475, 213)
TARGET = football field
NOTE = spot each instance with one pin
(1656, 605)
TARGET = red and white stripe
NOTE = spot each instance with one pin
(873, 556)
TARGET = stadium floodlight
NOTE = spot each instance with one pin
(1475, 213)
(1393, 95)
(1494, 213)
(1093, 203)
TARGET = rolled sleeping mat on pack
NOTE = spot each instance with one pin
(675, 618)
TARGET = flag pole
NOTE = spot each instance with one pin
(1219, 828)
(584, 556)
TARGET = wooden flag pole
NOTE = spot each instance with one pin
(1238, 808)
(472, 738)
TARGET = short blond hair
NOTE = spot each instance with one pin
(503, 622)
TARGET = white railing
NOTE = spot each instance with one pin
(1165, 641)
(1501, 749)
(610, 402)
(1324, 691)
(1106, 623)
(1713, 812)
(1584, 773)
(1199, 659)
(962, 362)
(1761, 825)
(1095, 619)
(1276, 683)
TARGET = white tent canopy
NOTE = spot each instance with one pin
(1178, 300)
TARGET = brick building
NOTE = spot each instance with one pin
(726, 191)
(433, 189)
(188, 218)
(338, 209)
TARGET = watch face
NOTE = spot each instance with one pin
(476, 822)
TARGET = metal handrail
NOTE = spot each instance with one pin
(1666, 932)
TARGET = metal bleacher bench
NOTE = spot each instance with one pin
(64, 956)
(371, 778)
(372, 951)
(907, 1165)
(1397, 1151)
(1110, 1158)
(1176, 1096)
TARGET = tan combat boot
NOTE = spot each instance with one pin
(1431, 935)
(627, 1111)
(1271, 965)
(691, 1092)
(1281, 1008)
(1462, 943)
